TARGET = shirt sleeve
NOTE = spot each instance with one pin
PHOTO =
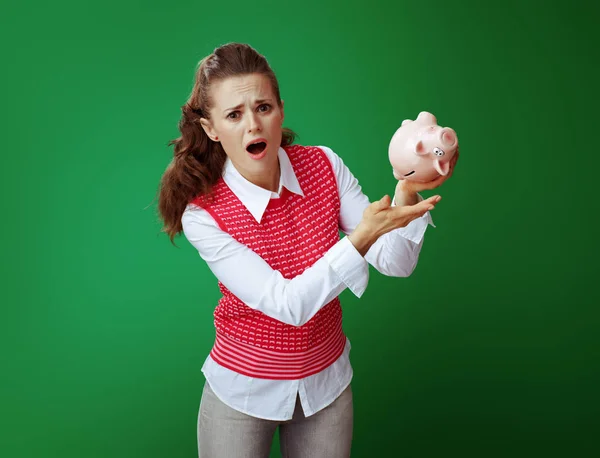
(249, 277)
(394, 254)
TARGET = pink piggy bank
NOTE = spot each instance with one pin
(420, 150)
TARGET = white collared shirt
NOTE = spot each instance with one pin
(294, 301)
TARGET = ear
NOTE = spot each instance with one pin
(282, 112)
(208, 128)
(420, 148)
(441, 167)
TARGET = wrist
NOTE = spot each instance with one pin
(405, 194)
(361, 240)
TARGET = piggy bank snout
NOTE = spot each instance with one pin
(448, 137)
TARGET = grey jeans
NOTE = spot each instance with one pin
(224, 432)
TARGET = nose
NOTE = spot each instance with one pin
(254, 123)
(448, 136)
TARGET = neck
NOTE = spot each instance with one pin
(269, 182)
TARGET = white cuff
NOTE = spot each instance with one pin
(415, 230)
(349, 265)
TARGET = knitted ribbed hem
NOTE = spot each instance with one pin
(272, 364)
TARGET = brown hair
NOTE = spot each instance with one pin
(197, 161)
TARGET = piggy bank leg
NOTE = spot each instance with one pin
(427, 118)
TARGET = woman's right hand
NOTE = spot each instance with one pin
(380, 218)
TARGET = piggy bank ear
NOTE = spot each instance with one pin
(441, 167)
(420, 148)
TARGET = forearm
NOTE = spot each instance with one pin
(293, 301)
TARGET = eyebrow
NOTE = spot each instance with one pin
(237, 107)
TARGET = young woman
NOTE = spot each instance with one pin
(264, 214)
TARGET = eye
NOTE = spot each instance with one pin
(263, 108)
(233, 115)
(438, 152)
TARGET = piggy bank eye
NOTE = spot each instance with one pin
(438, 152)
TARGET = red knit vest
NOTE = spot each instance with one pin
(293, 234)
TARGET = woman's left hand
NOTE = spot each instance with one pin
(406, 190)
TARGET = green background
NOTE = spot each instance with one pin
(490, 348)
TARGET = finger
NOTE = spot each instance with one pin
(453, 163)
(428, 204)
(382, 203)
(411, 214)
(386, 200)
(455, 158)
(432, 200)
(415, 211)
(435, 183)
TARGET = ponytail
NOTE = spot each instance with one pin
(196, 166)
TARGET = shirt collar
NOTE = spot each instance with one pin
(255, 198)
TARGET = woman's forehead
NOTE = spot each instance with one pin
(236, 90)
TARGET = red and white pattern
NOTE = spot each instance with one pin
(293, 234)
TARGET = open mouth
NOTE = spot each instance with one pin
(256, 148)
(409, 174)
